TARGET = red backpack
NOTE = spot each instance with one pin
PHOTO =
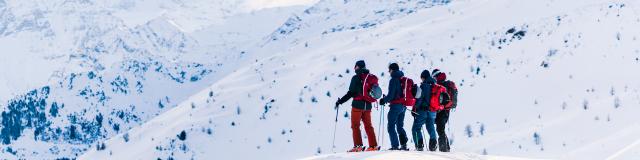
(407, 86)
(439, 97)
(368, 82)
(453, 95)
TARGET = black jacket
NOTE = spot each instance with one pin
(355, 88)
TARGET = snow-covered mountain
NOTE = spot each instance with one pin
(77, 72)
(164, 80)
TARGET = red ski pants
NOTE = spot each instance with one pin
(358, 115)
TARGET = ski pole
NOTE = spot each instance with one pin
(414, 112)
(415, 134)
(451, 131)
(382, 137)
(379, 125)
(334, 130)
(383, 124)
(378, 138)
(407, 108)
(424, 136)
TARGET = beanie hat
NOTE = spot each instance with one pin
(439, 76)
(435, 72)
(425, 74)
(361, 64)
(394, 67)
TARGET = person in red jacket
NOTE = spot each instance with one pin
(360, 107)
(442, 117)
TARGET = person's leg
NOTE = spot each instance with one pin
(402, 135)
(416, 130)
(356, 115)
(392, 118)
(430, 123)
(447, 147)
(430, 120)
(441, 121)
(368, 127)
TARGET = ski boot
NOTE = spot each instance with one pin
(433, 145)
(443, 144)
(404, 148)
(356, 149)
(373, 148)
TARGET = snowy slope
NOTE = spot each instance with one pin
(408, 156)
(541, 79)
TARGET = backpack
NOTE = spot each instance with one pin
(439, 97)
(422, 104)
(371, 91)
(453, 94)
(408, 91)
(416, 91)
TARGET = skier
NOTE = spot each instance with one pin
(443, 116)
(361, 83)
(424, 114)
(397, 109)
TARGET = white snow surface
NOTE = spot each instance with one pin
(382, 155)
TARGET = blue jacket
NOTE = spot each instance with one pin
(395, 88)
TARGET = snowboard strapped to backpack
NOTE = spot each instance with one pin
(371, 91)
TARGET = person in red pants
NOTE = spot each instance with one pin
(361, 105)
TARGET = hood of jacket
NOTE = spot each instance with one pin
(430, 80)
(397, 74)
(362, 71)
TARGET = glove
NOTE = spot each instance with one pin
(338, 103)
(382, 102)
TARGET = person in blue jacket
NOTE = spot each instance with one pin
(424, 115)
(396, 111)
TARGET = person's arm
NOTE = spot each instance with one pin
(391, 94)
(353, 90)
(448, 105)
(346, 97)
